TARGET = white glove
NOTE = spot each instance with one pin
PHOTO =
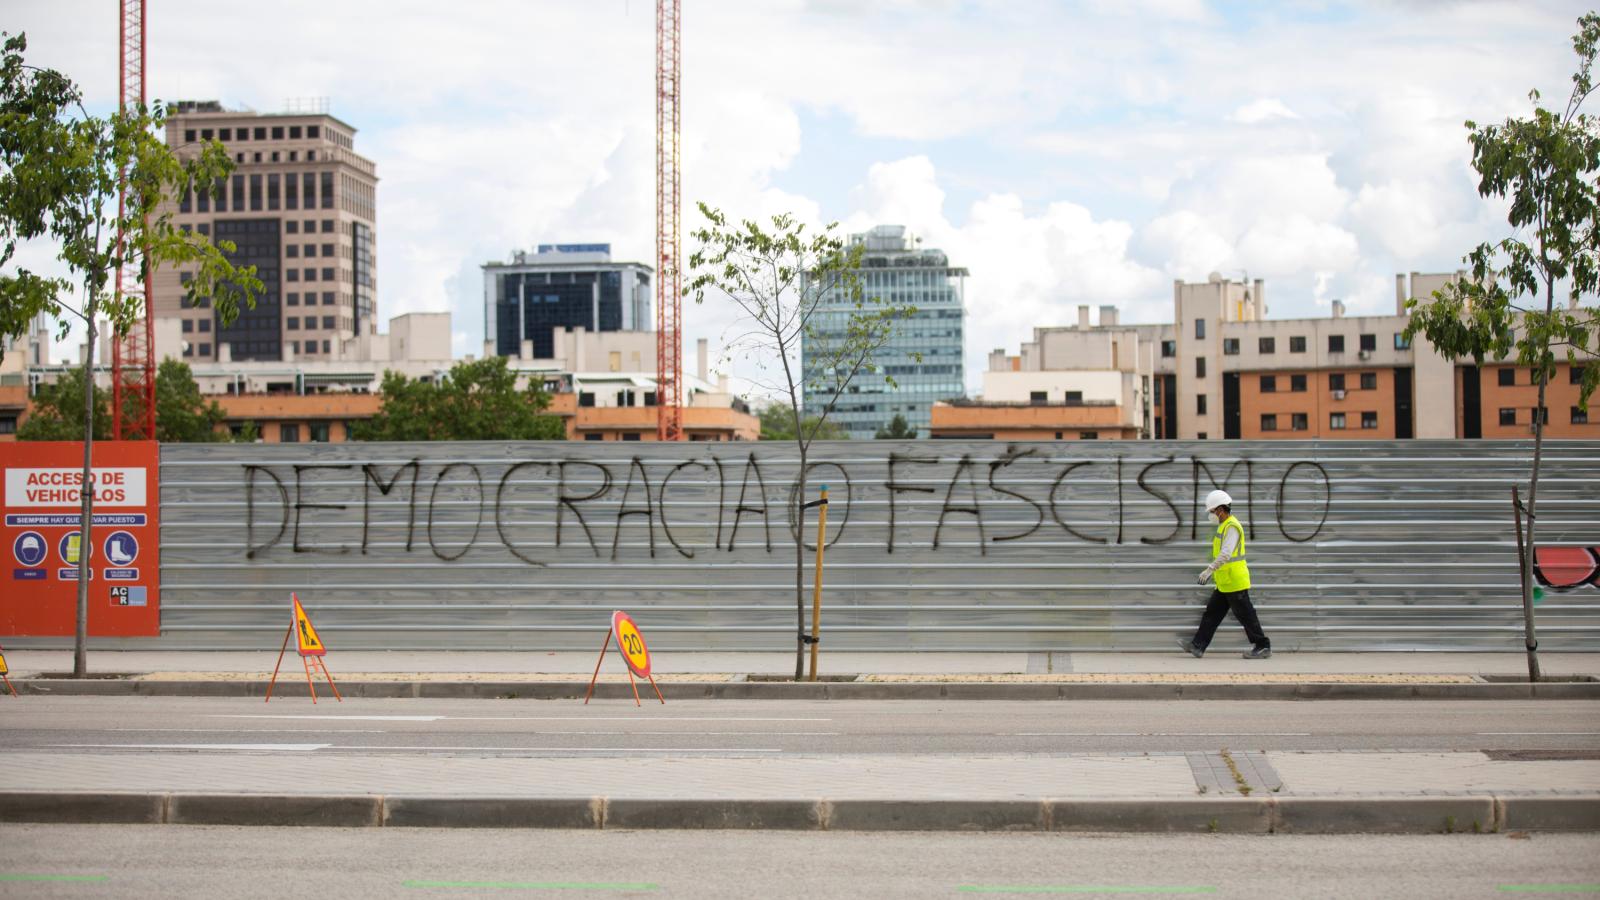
(1204, 575)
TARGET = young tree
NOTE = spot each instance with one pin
(778, 276)
(899, 430)
(777, 424)
(477, 401)
(60, 174)
(1546, 166)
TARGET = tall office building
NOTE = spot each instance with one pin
(301, 206)
(896, 271)
(561, 285)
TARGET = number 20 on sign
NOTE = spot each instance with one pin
(630, 643)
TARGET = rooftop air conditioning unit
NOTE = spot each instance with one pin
(1365, 354)
(1338, 395)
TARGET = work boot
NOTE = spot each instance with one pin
(1258, 653)
(1188, 647)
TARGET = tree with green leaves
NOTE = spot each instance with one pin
(476, 401)
(183, 414)
(899, 430)
(1545, 166)
(61, 173)
(777, 424)
(778, 276)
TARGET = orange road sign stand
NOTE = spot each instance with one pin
(627, 664)
(3, 676)
(311, 651)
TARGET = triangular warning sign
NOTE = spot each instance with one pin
(305, 635)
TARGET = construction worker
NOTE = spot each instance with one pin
(1232, 584)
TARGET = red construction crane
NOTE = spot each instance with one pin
(669, 281)
(133, 366)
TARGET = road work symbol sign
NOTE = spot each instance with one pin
(305, 636)
(631, 643)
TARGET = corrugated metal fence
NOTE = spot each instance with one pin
(932, 545)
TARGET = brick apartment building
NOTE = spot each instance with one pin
(1223, 370)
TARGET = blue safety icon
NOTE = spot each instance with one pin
(29, 548)
(121, 548)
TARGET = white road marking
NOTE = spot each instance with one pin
(562, 749)
(1536, 733)
(335, 717)
(1153, 734)
(256, 730)
(296, 748)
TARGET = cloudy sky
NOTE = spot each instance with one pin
(1065, 152)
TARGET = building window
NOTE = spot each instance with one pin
(1169, 349)
(294, 132)
(8, 424)
(205, 350)
(1269, 384)
(291, 274)
(1297, 344)
(594, 436)
(1297, 383)
(1508, 376)
(292, 251)
(261, 134)
(1299, 422)
(1335, 381)
(327, 298)
(1369, 381)
(1199, 404)
(289, 434)
(1508, 415)
(319, 432)
(188, 325)
(205, 326)
(1038, 397)
(1369, 420)
(188, 136)
(1267, 345)
(630, 435)
(1369, 342)
(1199, 329)
(1575, 375)
(585, 398)
(1230, 346)
(327, 224)
(1088, 435)
(291, 227)
(327, 274)
(294, 299)
(1336, 421)
(1580, 416)
(255, 193)
(1269, 422)
(1199, 367)
(313, 131)
(311, 250)
(1335, 343)
(1201, 436)
(277, 132)
(327, 322)
(293, 323)
(327, 250)
(1401, 342)
(1544, 412)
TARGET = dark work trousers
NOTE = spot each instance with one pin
(1243, 610)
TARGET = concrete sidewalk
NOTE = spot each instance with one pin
(1323, 792)
(969, 676)
(927, 666)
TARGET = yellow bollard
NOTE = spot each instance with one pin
(816, 580)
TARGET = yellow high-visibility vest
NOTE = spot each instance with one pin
(1231, 576)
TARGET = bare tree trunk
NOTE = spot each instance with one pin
(800, 569)
(80, 640)
(1530, 637)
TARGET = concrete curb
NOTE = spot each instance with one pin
(758, 690)
(1465, 814)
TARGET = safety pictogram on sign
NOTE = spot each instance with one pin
(310, 647)
(634, 654)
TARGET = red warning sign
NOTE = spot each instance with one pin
(634, 654)
(310, 647)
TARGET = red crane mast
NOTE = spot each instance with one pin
(133, 367)
(669, 280)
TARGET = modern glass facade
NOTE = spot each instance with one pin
(528, 298)
(895, 271)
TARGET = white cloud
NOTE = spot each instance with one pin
(1262, 110)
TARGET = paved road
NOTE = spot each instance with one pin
(230, 863)
(536, 728)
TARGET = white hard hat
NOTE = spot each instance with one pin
(1216, 499)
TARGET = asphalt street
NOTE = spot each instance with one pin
(226, 863)
(610, 728)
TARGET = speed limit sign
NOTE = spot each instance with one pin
(631, 642)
